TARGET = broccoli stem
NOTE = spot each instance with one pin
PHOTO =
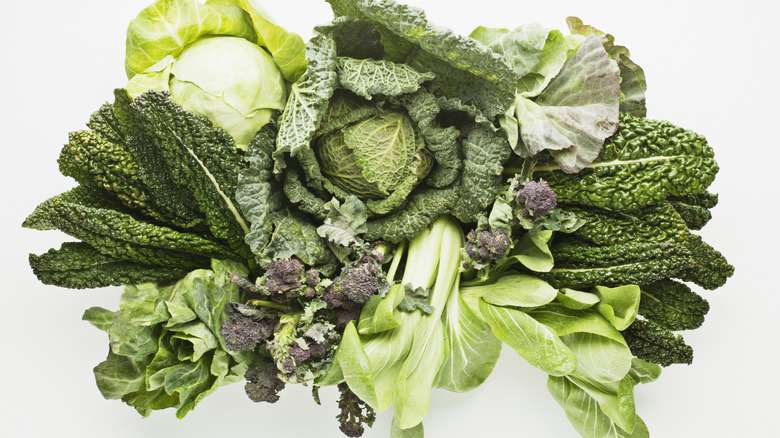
(270, 304)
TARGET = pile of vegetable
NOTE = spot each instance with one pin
(381, 209)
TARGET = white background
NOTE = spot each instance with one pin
(710, 68)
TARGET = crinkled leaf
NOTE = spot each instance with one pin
(308, 100)
(255, 191)
(368, 77)
(463, 67)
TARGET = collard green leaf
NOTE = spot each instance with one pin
(533, 341)
(478, 75)
(574, 114)
(632, 78)
(368, 77)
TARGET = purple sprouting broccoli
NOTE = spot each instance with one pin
(287, 279)
(247, 327)
(354, 287)
(263, 384)
(487, 246)
(537, 199)
(355, 413)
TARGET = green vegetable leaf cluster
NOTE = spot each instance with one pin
(165, 347)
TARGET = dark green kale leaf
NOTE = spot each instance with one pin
(645, 162)
(653, 343)
(672, 305)
(695, 208)
(708, 268)
(78, 265)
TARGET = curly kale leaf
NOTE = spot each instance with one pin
(645, 162)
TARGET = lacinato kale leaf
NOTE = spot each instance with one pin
(645, 162)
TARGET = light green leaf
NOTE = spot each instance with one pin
(644, 372)
(586, 414)
(166, 26)
(99, 317)
(533, 251)
(414, 432)
(287, 48)
(599, 358)
(368, 77)
(576, 300)
(380, 314)
(619, 304)
(474, 349)
(575, 113)
(519, 290)
(356, 366)
(532, 340)
(487, 35)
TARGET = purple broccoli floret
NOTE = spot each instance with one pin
(241, 332)
(355, 413)
(537, 199)
(283, 275)
(487, 246)
(263, 385)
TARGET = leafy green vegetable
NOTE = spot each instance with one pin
(653, 343)
(574, 114)
(166, 350)
(462, 67)
(672, 305)
(642, 164)
(695, 208)
(212, 57)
